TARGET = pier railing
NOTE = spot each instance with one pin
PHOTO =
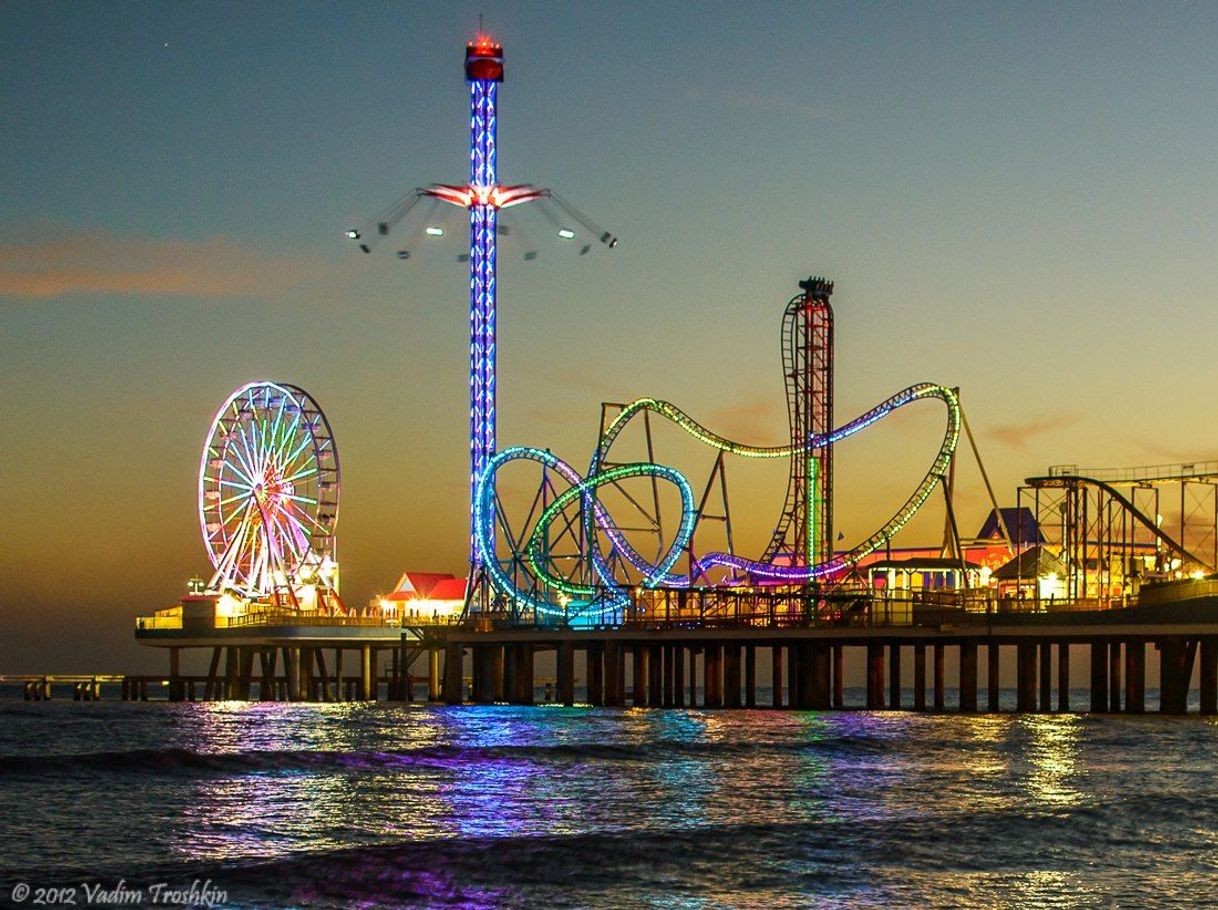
(1154, 473)
(273, 616)
(712, 608)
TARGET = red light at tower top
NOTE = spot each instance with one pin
(484, 60)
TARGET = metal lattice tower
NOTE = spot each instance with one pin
(484, 71)
(804, 534)
(483, 196)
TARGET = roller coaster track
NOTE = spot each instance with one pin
(610, 592)
(1201, 471)
(1065, 481)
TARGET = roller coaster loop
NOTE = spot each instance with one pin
(578, 597)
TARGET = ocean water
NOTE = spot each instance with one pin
(275, 805)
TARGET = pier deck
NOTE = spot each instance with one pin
(757, 649)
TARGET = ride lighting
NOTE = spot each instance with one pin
(435, 232)
(353, 234)
(566, 234)
(228, 606)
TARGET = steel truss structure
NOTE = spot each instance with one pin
(269, 484)
(484, 197)
(1114, 529)
(571, 558)
(805, 532)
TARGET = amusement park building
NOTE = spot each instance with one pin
(428, 595)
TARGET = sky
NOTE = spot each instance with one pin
(1015, 199)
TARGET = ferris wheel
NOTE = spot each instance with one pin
(268, 493)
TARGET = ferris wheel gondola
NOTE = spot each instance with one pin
(268, 494)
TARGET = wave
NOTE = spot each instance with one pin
(179, 760)
(726, 863)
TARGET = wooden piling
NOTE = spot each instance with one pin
(1175, 673)
(968, 676)
(839, 676)
(894, 675)
(1209, 675)
(750, 676)
(1025, 671)
(638, 676)
(678, 676)
(712, 668)
(875, 676)
(940, 693)
(1099, 677)
(776, 676)
(484, 674)
(1135, 676)
(368, 679)
(1063, 676)
(594, 660)
(821, 658)
(655, 676)
(993, 676)
(793, 676)
(670, 676)
(453, 674)
(693, 677)
(731, 675)
(919, 680)
(434, 684)
(566, 673)
(1046, 677)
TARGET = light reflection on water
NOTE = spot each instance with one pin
(507, 805)
(1052, 752)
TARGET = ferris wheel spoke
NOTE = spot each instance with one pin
(301, 475)
(266, 438)
(295, 537)
(251, 460)
(274, 536)
(285, 544)
(278, 420)
(240, 497)
(291, 459)
(226, 520)
(241, 450)
(229, 564)
(232, 455)
(294, 498)
(233, 466)
(289, 509)
(286, 437)
(258, 435)
(308, 447)
(299, 528)
(240, 530)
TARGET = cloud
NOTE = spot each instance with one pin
(760, 420)
(1018, 435)
(98, 262)
(1169, 454)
